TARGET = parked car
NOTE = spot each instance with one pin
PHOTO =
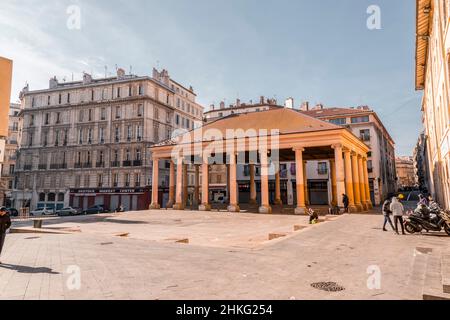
(13, 212)
(44, 211)
(69, 211)
(95, 209)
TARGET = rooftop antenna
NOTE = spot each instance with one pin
(106, 71)
(72, 76)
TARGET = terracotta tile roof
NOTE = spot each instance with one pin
(330, 112)
(285, 120)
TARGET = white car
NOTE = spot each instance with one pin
(42, 212)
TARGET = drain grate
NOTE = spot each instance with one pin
(328, 286)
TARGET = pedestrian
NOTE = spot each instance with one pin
(397, 209)
(387, 214)
(422, 200)
(313, 216)
(5, 223)
(346, 202)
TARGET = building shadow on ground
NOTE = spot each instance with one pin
(25, 269)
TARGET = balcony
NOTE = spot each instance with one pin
(27, 167)
(100, 164)
(58, 166)
(115, 164)
(137, 163)
(78, 165)
(127, 163)
(369, 170)
(322, 172)
(365, 137)
(87, 165)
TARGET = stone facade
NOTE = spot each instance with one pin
(405, 172)
(87, 142)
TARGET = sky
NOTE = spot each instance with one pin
(318, 51)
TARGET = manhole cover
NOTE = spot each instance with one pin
(328, 286)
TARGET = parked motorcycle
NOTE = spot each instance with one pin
(430, 218)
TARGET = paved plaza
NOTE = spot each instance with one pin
(142, 255)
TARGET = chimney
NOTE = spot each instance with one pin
(212, 107)
(304, 106)
(120, 73)
(53, 83)
(222, 105)
(87, 78)
(238, 103)
(261, 100)
(155, 74)
(289, 103)
(319, 106)
(165, 77)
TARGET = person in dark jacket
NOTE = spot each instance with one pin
(387, 214)
(5, 223)
(346, 201)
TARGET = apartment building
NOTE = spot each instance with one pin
(433, 78)
(5, 96)
(87, 142)
(405, 172)
(364, 123)
(7, 178)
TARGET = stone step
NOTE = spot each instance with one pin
(445, 270)
(432, 289)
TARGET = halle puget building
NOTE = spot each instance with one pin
(87, 142)
(361, 121)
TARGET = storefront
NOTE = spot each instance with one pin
(131, 199)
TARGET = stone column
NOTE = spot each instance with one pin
(265, 204)
(234, 204)
(349, 181)
(340, 180)
(197, 186)
(252, 184)
(367, 185)
(155, 184)
(205, 206)
(333, 182)
(356, 189)
(362, 190)
(171, 201)
(179, 205)
(305, 183)
(278, 186)
(228, 182)
(300, 180)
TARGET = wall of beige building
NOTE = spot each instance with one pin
(435, 103)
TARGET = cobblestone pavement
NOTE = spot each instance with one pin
(44, 266)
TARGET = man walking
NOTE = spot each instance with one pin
(387, 214)
(5, 223)
(398, 211)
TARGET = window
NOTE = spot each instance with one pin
(137, 180)
(139, 133)
(59, 98)
(80, 116)
(68, 98)
(41, 197)
(360, 119)
(177, 119)
(58, 117)
(57, 138)
(369, 166)
(48, 100)
(89, 135)
(100, 180)
(364, 134)
(129, 91)
(45, 139)
(47, 118)
(30, 139)
(87, 180)
(338, 121)
(11, 169)
(141, 90)
(117, 134)
(127, 155)
(33, 102)
(129, 133)
(92, 95)
(138, 154)
(116, 180)
(118, 112)
(127, 180)
(90, 115)
(118, 92)
(102, 135)
(322, 168)
(32, 120)
(140, 110)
